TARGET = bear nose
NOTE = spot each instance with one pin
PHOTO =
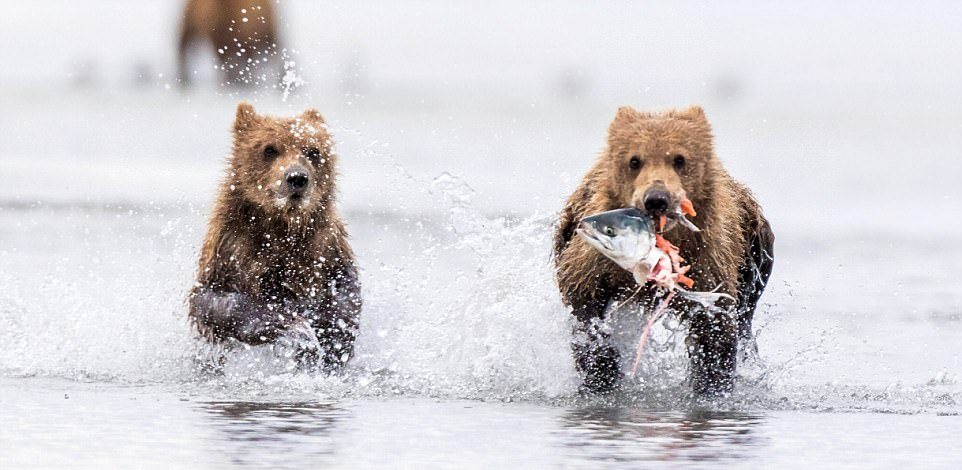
(657, 201)
(297, 180)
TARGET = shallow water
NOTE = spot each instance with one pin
(449, 184)
(462, 360)
(130, 426)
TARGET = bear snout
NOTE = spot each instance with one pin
(657, 200)
(297, 180)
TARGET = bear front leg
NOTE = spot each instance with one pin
(335, 322)
(712, 349)
(336, 335)
(754, 273)
(224, 315)
(343, 317)
(596, 360)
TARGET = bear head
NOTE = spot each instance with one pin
(283, 165)
(655, 160)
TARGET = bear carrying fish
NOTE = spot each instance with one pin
(653, 161)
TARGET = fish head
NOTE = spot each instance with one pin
(623, 235)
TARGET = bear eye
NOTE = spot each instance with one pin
(635, 162)
(679, 163)
(313, 153)
(271, 151)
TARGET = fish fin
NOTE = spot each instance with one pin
(706, 299)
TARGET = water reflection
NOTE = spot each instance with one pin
(252, 433)
(286, 435)
(631, 435)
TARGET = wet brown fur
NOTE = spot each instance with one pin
(727, 212)
(275, 250)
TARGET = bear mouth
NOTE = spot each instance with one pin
(292, 202)
(670, 223)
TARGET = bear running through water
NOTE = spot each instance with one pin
(653, 161)
(276, 253)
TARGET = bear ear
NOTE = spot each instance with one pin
(311, 114)
(246, 116)
(625, 115)
(691, 113)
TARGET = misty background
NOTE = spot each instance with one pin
(827, 110)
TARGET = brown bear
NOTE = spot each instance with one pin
(242, 34)
(276, 252)
(653, 161)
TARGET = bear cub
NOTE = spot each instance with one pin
(653, 161)
(276, 255)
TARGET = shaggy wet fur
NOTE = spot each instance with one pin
(734, 249)
(273, 259)
(240, 46)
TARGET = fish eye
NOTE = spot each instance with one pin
(679, 163)
(635, 162)
(271, 151)
(609, 231)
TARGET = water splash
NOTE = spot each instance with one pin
(291, 79)
(457, 305)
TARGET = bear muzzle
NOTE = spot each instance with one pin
(657, 200)
(294, 189)
(297, 181)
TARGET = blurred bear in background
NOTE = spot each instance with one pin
(241, 33)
